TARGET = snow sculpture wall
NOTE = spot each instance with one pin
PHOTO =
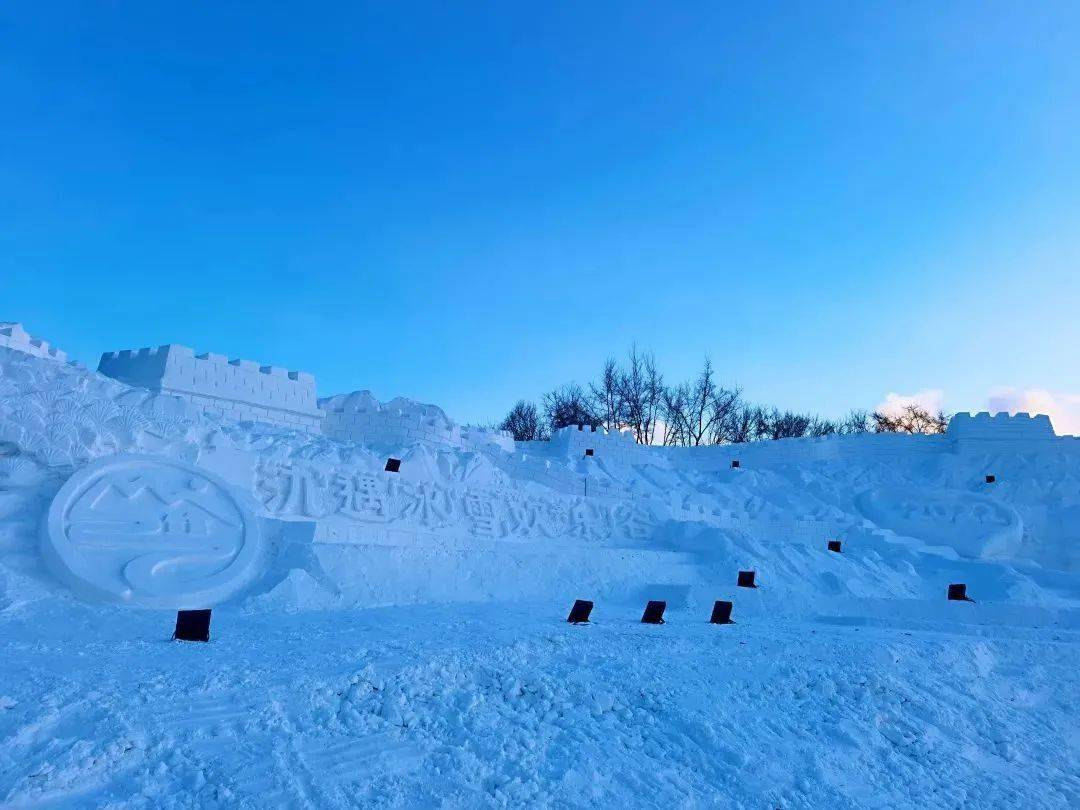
(881, 447)
(359, 417)
(620, 448)
(13, 336)
(236, 389)
(965, 433)
(1001, 427)
(375, 567)
(616, 446)
(540, 466)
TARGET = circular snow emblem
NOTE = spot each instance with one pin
(150, 532)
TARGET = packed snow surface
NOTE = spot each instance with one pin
(387, 639)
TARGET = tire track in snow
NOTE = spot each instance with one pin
(207, 713)
(352, 759)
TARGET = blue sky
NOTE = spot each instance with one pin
(468, 205)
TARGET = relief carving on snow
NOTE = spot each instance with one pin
(150, 532)
(974, 525)
(298, 489)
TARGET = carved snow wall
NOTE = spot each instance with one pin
(233, 389)
(618, 447)
(882, 447)
(13, 336)
(359, 417)
(1001, 427)
(966, 433)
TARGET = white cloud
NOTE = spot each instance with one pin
(931, 399)
(1063, 409)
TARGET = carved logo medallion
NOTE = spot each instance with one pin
(151, 532)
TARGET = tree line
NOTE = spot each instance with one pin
(633, 396)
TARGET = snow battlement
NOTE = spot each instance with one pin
(234, 388)
(570, 431)
(999, 427)
(616, 446)
(589, 436)
(13, 336)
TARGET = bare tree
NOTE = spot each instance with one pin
(912, 418)
(695, 412)
(857, 421)
(631, 394)
(701, 405)
(741, 424)
(524, 423)
(774, 424)
(640, 393)
(790, 425)
(819, 426)
(654, 399)
(675, 407)
(607, 396)
(569, 405)
(726, 406)
(699, 412)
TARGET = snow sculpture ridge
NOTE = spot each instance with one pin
(611, 445)
(360, 417)
(13, 336)
(150, 532)
(983, 426)
(237, 389)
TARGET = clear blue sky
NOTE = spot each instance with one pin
(472, 204)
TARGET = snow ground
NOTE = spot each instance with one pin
(404, 643)
(506, 705)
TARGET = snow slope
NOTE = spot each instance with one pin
(397, 639)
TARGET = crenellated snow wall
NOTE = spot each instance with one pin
(236, 389)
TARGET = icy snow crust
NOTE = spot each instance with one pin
(398, 639)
